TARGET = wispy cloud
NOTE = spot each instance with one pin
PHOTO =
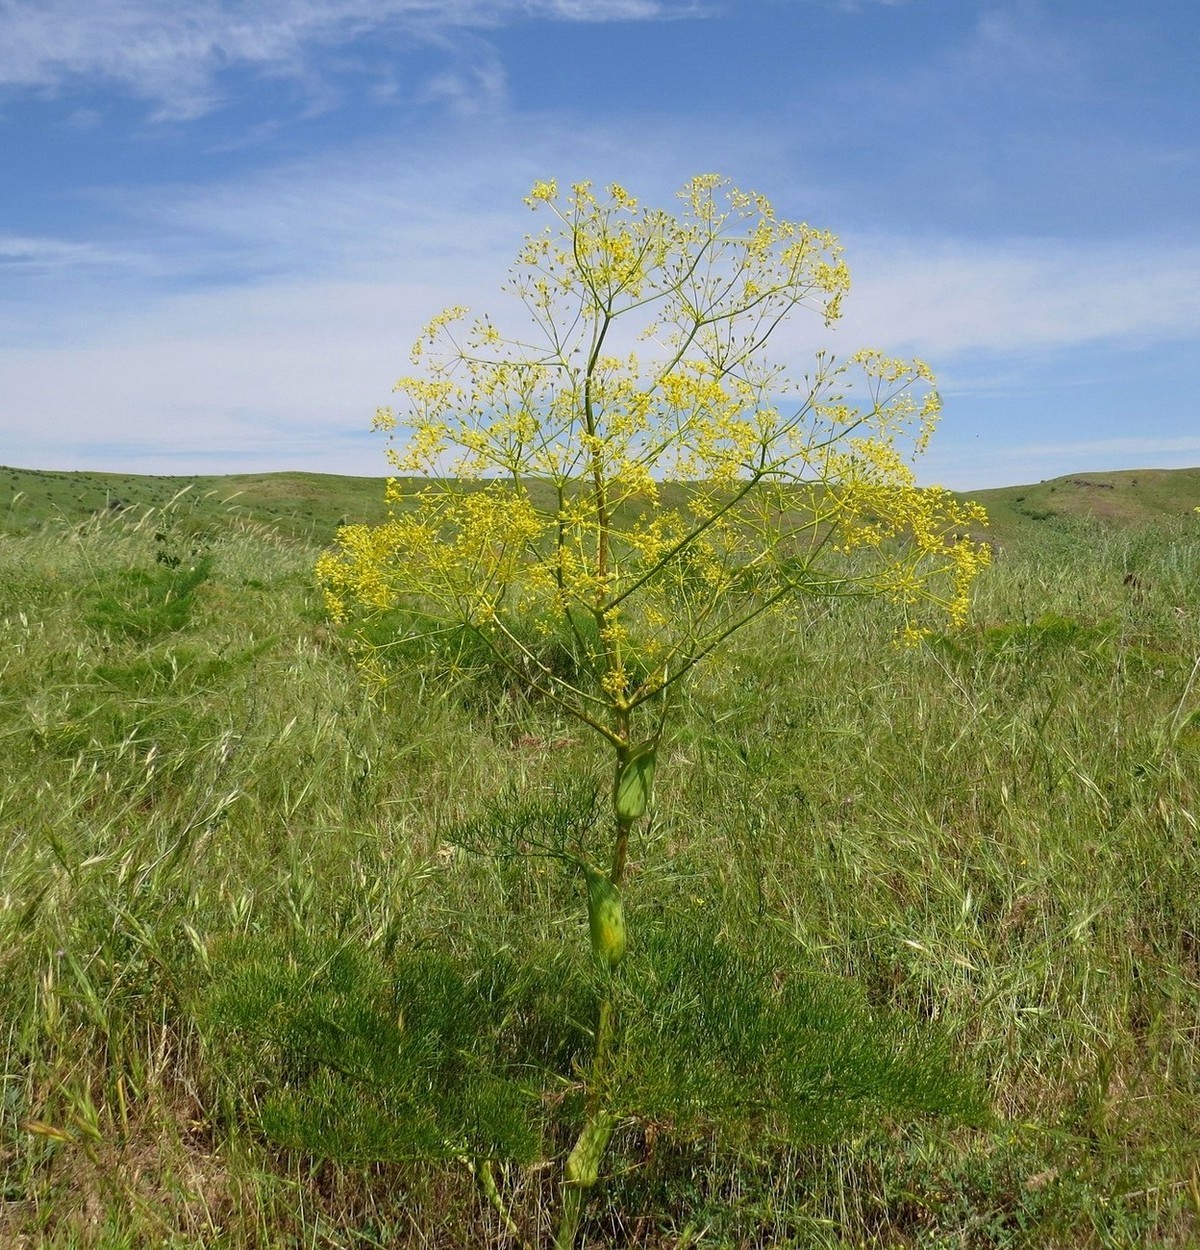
(42, 254)
(1015, 295)
(1021, 41)
(1119, 450)
(473, 83)
(853, 6)
(410, 206)
(172, 55)
(365, 216)
(286, 373)
(368, 213)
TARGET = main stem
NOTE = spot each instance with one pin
(583, 1165)
(616, 873)
(599, 482)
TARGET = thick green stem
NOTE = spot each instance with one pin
(620, 852)
(599, 480)
(621, 844)
(583, 1163)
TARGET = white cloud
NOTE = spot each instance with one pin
(35, 253)
(444, 203)
(1023, 42)
(278, 377)
(473, 83)
(417, 211)
(287, 374)
(1013, 295)
(171, 53)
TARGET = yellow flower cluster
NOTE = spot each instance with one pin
(668, 496)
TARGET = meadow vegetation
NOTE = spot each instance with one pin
(247, 926)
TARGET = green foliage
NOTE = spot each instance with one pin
(173, 669)
(1001, 840)
(431, 1053)
(1017, 643)
(360, 1060)
(741, 1043)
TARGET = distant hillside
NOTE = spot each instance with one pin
(1127, 497)
(301, 505)
(310, 506)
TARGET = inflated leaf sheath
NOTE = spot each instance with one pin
(606, 918)
(634, 783)
(583, 1163)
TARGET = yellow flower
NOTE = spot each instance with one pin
(647, 505)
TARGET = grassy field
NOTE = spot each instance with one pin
(992, 839)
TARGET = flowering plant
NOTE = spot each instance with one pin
(637, 473)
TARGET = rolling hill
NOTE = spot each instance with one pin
(312, 505)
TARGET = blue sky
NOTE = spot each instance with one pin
(222, 222)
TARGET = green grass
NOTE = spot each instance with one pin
(1134, 497)
(989, 842)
